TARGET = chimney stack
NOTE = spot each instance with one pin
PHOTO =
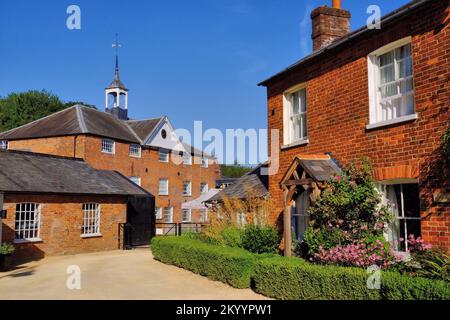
(329, 24)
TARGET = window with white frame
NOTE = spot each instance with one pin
(391, 83)
(204, 162)
(163, 187)
(187, 159)
(136, 180)
(204, 188)
(135, 150)
(158, 213)
(163, 155)
(187, 215)
(91, 219)
(295, 125)
(187, 188)
(28, 221)
(168, 215)
(204, 215)
(4, 144)
(404, 203)
(108, 146)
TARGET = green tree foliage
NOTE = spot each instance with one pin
(18, 109)
(234, 171)
(446, 145)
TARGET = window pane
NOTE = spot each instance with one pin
(411, 200)
(405, 68)
(386, 59)
(295, 103)
(403, 52)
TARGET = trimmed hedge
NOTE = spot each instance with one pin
(229, 265)
(295, 279)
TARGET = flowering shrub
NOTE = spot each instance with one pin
(348, 211)
(360, 254)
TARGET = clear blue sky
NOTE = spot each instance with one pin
(191, 60)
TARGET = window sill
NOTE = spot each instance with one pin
(136, 157)
(297, 143)
(108, 153)
(387, 123)
(163, 195)
(94, 235)
(21, 241)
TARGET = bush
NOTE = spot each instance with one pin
(229, 265)
(6, 249)
(296, 279)
(224, 235)
(260, 239)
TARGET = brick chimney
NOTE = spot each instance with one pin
(329, 24)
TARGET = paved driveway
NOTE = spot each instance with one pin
(113, 275)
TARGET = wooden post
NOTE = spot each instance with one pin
(287, 232)
(1, 213)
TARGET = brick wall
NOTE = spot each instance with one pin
(338, 112)
(148, 167)
(61, 222)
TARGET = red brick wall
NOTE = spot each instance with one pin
(148, 167)
(61, 222)
(338, 112)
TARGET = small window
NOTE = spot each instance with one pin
(187, 188)
(135, 150)
(108, 146)
(187, 216)
(168, 215)
(391, 83)
(163, 187)
(91, 219)
(158, 213)
(204, 215)
(204, 188)
(28, 220)
(187, 159)
(163, 155)
(241, 219)
(404, 203)
(3, 144)
(295, 117)
(136, 180)
(204, 162)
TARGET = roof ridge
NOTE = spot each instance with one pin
(80, 117)
(34, 121)
(136, 120)
(42, 155)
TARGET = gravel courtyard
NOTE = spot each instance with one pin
(113, 275)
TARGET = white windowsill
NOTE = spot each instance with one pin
(402, 119)
(93, 235)
(295, 144)
(19, 241)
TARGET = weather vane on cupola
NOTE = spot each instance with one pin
(118, 106)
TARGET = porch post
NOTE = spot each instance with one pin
(287, 236)
(1, 214)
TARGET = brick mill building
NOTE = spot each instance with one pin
(55, 205)
(377, 93)
(148, 152)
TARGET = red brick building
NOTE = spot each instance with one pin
(147, 151)
(377, 93)
(57, 205)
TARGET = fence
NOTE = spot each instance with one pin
(177, 229)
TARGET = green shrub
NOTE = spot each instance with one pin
(6, 249)
(260, 239)
(229, 265)
(296, 279)
(231, 236)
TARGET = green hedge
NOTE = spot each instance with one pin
(229, 265)
(295, 279)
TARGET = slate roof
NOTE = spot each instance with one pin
(25, 172)
(73, 121)
(143, 128)
(320, 170)
(253, 181)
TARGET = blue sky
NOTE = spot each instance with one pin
(190, 60)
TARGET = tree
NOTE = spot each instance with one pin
(21, 108)
(234, 171)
